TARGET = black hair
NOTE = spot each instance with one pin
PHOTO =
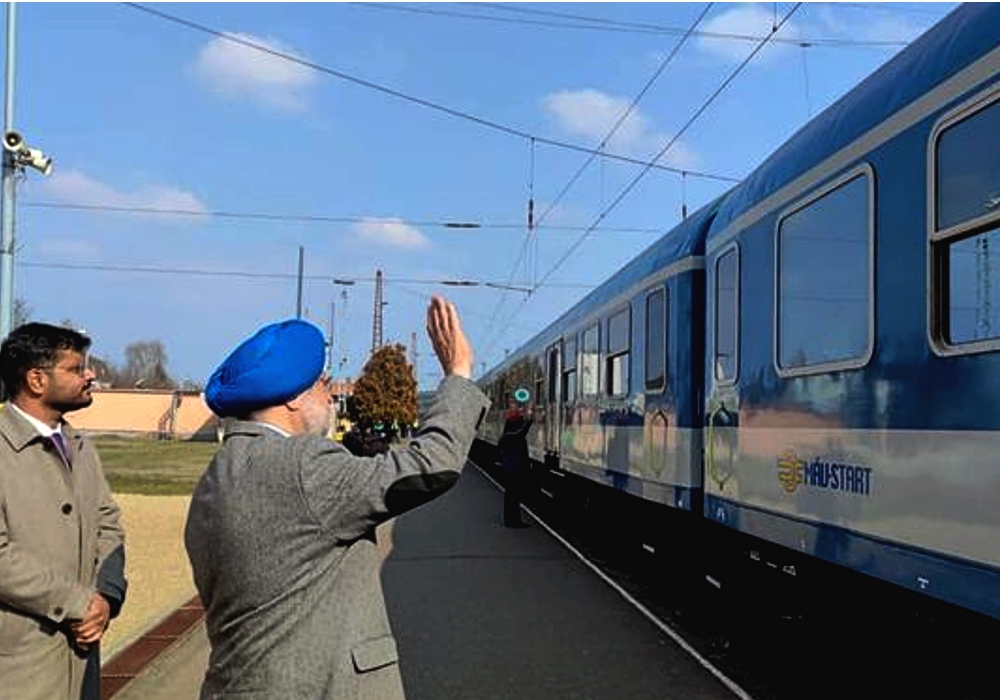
(34, 346)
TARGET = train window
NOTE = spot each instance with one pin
(965, 235)
(569, 353)
(569, 369)
(590, 362)
(569, 386)
(973, 292)
(618, 353)
(726, 310)
(967, 169)
(656, 340)
(618, 332)
(824, 266)
(553, 373)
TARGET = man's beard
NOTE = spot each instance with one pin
(73, 404)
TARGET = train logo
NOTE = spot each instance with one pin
(790, 470)
(823, 473)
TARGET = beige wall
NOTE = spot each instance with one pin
(137, 411)
(155, 412)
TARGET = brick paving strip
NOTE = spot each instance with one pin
(131, 661)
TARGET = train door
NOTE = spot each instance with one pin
(553, 398)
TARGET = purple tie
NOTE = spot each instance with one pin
(60, 443)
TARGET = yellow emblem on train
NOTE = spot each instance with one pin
(791, 469)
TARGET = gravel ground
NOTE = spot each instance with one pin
(156, 565)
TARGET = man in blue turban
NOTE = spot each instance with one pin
(281, 530)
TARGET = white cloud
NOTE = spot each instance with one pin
(591, 114)
(749, 21)
(390, 232)
(824, 22)
(235, 70)
(875, 26)
(71, 186)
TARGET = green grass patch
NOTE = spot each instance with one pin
(153, 467)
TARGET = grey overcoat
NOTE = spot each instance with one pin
(58, 527)
(281, 538)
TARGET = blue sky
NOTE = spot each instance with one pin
(142, 113)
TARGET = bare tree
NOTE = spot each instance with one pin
(22, 312)
(146, 366)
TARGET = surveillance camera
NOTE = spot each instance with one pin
(38, 160)
(24, 156)
(14, 142)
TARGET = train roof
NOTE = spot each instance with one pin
(967, 33)
(684, 240)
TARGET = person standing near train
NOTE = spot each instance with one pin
(515, 463)
(281, 529)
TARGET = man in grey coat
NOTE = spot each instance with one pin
(281, 530)
(62, 554)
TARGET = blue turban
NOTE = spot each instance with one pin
(276, 364)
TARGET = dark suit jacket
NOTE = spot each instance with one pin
(281, 538)
(514, 456)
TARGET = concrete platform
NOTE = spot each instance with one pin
(482, 612)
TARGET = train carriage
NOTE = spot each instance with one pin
(611, 386)
(827, 376)
(852, 384)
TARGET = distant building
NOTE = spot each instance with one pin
(154, 412)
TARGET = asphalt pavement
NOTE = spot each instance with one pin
(482, 612)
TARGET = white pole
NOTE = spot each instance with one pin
(7, 194)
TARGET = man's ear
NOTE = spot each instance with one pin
(35, 381)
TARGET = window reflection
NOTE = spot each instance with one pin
(974, 288)
(725, 315)
(824, 267)
(656, 340)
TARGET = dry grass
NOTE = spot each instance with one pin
(152, 481)
(153, 467)
(156, 566)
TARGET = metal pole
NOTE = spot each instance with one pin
(7, 195)
(329, 350)
(298, 304)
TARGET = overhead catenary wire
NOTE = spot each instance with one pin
(601, 146)
(488, 123)
(307, 218)
(628, 188)
(627, 113)
(610, 25)
(337, 279)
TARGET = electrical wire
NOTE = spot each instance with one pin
(628, 188)
(335, 279)
(609, 25)
(403, 96)
(604, 142)
(307, 218)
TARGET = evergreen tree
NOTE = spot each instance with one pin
(386, 392)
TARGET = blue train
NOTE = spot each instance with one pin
(810, 362)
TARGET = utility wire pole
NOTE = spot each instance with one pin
(16, 155)
(414, 355)
(7, 194)
(329, 349)
(298, 303)
(377, 316)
